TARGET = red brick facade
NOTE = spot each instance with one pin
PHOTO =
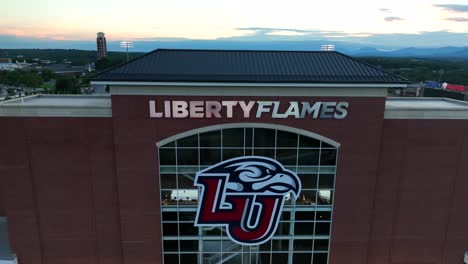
(85, 190)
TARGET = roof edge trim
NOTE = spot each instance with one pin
(231, 84)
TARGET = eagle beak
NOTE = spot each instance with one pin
(282, 182)
(292, 181)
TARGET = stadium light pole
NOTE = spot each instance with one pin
(126, 45)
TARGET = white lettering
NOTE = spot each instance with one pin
(341, 110)
(153, 113)
(262, 108)
(196, 109)
(179, 109)
(247, 108)
(307, 109)
(229, 106)
(225, 109)
(213, 108)
(327, 110)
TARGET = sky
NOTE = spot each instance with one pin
(362, 20)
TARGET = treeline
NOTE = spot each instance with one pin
(75, 57)
(417, 70)
(23, 78)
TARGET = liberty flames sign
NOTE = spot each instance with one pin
(248, 109)
(246, 195)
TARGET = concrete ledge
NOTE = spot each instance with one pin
(425, 108)
(58, 106)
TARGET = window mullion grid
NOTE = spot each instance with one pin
(200, 229)
(245, 132)
(293, 212)
(177, 196)
(332, 197)
(316, 200)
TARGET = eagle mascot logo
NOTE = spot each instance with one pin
(246, 195)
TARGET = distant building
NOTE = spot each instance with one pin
(101, 45)
(5, 60)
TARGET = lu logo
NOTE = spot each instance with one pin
(246, 195)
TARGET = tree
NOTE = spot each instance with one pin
(47, 75)
(67, 85)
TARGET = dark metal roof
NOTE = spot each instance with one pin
(167, 65)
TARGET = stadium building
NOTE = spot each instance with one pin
(221, 156)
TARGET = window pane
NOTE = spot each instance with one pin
(309, 157)
(265, 258)
(305, 215)
(233, 137)
(170, 229)
(248, 152)
(264, 138)
(307, 142)
(211, 231)
(248, 137)
(168, 181)
(187, 157)
(302, 258)
(322, 228)
(280, 245)
(285, 216)
(210, 139)
(326, 145)
(171, 258)
(326, 181)
(185, 181)
(169, 216)
(167, 157)
(171, 245)
(283, 229)
(302, 244)
(187, 197)
(323, 216)
(211, 246)
(269, 153)
(279, 258)
(266, 247)
(210, 156)
(188, 258)
(325, 197)
(286, 156)
(309, 181)
(187, 229)
(321, 245)
(167, 198)
(189, 245)
(232, 153)
(328, 157)
(304, 228)
(306, 198)
(286, 140)
(188, 142)
(320, 258)
(169, 145)
(187, 216)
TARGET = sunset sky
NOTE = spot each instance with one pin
(217, 19)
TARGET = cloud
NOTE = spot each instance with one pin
(393, 18)
(457, 19)
(454, 8)
(267, 30)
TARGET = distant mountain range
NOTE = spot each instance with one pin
(443, 52)
(347, 47)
